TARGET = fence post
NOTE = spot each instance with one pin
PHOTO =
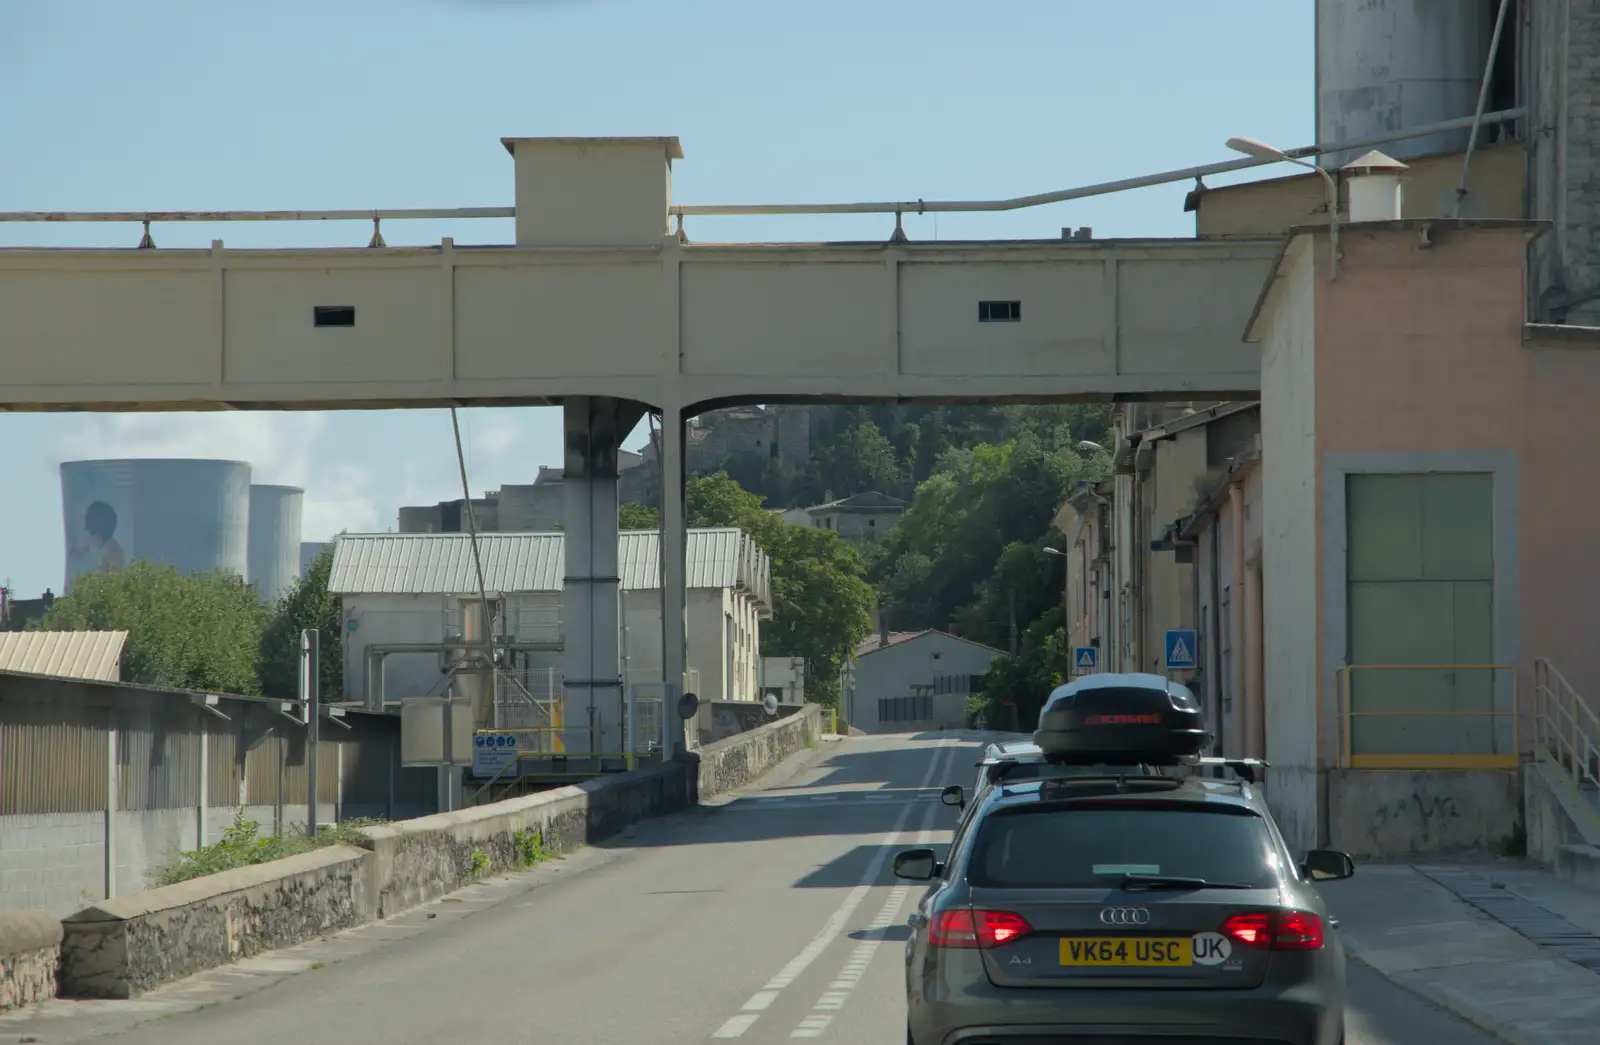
(205, 774)
(111, 812)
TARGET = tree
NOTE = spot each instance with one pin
(634, 516)
(201, 631)
(822, 602)
(306, 604)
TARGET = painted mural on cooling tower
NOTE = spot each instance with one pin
(191, 514)
(99, 520)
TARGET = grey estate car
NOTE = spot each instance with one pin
(1122, 910)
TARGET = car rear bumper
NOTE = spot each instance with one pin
(1302, 1015)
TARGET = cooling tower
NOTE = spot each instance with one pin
(309, 550)
(192, 514)
(274, 538)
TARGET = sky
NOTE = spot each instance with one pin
(206, 105)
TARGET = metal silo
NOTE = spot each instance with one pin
(1403, 63)
(193, 514)
(274, 538)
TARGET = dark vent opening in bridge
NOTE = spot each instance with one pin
(333, 315)
(999, 312)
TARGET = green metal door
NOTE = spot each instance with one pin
(1421, 580)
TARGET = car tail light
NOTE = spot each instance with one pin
(967, 929)
(1275, 930)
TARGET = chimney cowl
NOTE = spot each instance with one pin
(1376, 189)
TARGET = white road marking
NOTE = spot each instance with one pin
(737, 1025)
(838, 992)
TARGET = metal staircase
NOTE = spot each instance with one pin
(1567, 744)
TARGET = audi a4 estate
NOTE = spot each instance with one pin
(1122, 910)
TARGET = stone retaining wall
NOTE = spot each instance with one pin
(30, 946)
(125, 946)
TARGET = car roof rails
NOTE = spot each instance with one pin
(1245, 768)
(1116, 783)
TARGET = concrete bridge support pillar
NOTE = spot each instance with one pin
(591, 609)
(674, 590)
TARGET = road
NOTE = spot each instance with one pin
(765, 919)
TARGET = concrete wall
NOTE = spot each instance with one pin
(123, 947)
(1168, 493)
(1377, 814)
(730, 718)
(30, 947)
(1289, 547)
(1272, 206)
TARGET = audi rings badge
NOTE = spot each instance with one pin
(1125, 915)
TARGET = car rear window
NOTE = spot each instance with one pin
(1086, 847)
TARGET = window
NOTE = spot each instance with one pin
(999, 312)
(333, 315)
(905, 709)
(1086, 846)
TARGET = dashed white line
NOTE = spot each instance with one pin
(855, 967)
(751, 1011)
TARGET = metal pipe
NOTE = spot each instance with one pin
(1483, 100)
(1100, 189)
(395, 214)
(707, 210)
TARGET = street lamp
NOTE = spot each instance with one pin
(1055, 551)
(1091, 448)
(1262, 151)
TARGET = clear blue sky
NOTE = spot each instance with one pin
(199, 104)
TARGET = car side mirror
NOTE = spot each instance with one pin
(917, 865)
(953, 796)
(1327, 865)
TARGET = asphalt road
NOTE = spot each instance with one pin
(770, 918)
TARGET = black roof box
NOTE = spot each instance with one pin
(1122, 718)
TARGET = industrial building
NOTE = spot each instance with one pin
(274, 559)
(191, 514)
(910, 681)
(410, 604)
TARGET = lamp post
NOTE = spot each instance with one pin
(1262, 151)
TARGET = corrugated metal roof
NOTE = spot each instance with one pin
(441, 563)
(93, 655)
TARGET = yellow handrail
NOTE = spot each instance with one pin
(1480, 760)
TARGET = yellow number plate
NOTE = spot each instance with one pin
(1139, 952)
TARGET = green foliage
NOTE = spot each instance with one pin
(242, 844)
(306, 604)
(822, 602)
(527, 848)
(198, 631)
(480, 862)
(634, 516)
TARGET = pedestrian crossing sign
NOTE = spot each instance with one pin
(1084, 659)
(1181, 649)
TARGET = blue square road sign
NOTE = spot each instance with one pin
(1181, 649)
(1084, 659)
